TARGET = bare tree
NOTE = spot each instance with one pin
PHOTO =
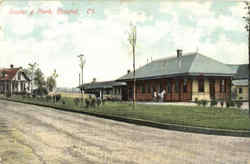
(32, 68)
(132, 42)
(247, 27)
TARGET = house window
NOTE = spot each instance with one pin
(169, 87)
(201, 85)
(176, 86)
(185, 86)
(222, 86)
(240, 90)
(149, 88)
(143, 88)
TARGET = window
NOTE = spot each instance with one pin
(240, 90)
(185, 86)
(222, 86)
(149, 88)
(201, 85)
(176, 86)
(169, 87)
(143, 88)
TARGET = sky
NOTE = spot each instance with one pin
(54, 33)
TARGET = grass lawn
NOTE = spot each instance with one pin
(220, 118)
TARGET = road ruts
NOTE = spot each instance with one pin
(62, 137)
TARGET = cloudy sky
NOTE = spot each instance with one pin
(35, 31)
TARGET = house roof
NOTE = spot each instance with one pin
(191, 64)
(103, 85)
(9, 73)
(243, 82)
(240, 71)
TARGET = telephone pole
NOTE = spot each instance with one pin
(132, 41)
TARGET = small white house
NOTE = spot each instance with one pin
(14, 81)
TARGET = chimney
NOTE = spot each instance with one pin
(11, 66)
(179, 53)
(128, 71)
(94, 80)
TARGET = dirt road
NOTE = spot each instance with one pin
(37, 135)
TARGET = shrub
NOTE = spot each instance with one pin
(48, 98)
(58, 97)
(93, 102)
(63, 102)
(222, 103)
(229, 103)
(213, 103)
(239, 104)
(204, 102)
(87, 102)
(76, 101)
(98, 102)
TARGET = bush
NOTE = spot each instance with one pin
(239, 104)
(213, 103)
(204, 102)
(87, 102)
(48, 98)
(76, 101)
(63, 102)
(93, 102)
(222, 103)
(58, 97)
(98, 102)
(229, 103)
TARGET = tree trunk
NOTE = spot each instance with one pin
(134, 88)
(248, 72)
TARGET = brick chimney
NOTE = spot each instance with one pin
(179, 53)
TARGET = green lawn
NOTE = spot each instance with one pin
(220, 118)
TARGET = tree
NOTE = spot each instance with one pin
(247, 27)
(132, 42)
(39, 79)
(30, 72)
(51, 81)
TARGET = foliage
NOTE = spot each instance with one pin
(76, 101)
(239, 104)
(40, 91)
(50, 83)
(39, 78)
(204, 102)
(48, 98)
(229, 103)
(221, 103)
(213, 103)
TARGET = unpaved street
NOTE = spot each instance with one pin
(37, 135)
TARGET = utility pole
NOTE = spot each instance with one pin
(132, 41)
(82, 63)
(247, 27)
